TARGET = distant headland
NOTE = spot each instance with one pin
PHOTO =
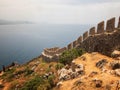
(8, 22)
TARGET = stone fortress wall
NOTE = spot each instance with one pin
(110, 27)
(93, 40)
(53, 51)
(52, 54)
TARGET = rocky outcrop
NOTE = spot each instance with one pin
(117, 72)
(72, 72)
(115, 54)
(115, 65)
(100, 64)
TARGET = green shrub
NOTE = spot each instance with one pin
(28, 72)
(48, 70)
(59, 66)
(8, 75)
(33, 84)
(39, 83)
(68, 55)
(51, 80)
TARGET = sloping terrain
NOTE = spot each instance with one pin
(23, 76)
(99, 72)
(95, 78)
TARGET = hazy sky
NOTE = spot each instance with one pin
(60, 11)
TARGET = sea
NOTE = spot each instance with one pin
(22, 42)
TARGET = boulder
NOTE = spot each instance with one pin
(99, 83)
(80, 66)
(93, 73)
(64, 74)
(33, 68)
(115, 54)
(83, 58)
(74, 75)
(71, 72)
(115, 65)
(100, 64)
(59, 84)
(117, 72)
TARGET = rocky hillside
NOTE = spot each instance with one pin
(99, 73)
(91, 71)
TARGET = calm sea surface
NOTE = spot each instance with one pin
(21, 43)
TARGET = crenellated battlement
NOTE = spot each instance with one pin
(110, 27)
(90, 40)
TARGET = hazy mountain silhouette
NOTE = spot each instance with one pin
(7, 22)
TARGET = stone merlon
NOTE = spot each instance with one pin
(110, 25)
(92, 31)
(85, 35)
(79, 40)
(119, 23)
(100, 27)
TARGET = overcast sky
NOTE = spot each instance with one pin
(60, 11)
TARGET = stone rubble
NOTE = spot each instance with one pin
(69, 73)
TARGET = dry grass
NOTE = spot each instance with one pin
(89, 63)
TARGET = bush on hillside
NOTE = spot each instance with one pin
(68, 55)
(59, 66)
(34, 84)
(8, 75)
(39, 83)
(51, 80)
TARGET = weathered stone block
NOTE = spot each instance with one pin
(100, 27)
(85, 35)
(119, 23)
(110, 25)
(92, 31)
(74, 43)
(70, 46)
(79, 40)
